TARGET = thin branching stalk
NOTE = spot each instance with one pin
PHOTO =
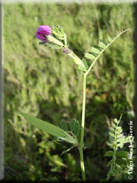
(84, 105)
(87, 72)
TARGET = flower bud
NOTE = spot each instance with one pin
(42, 32)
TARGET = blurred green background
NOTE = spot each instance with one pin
(47, 84)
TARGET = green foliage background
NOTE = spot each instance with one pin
(46, 84)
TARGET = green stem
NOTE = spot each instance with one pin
(83, 110)
(82, 130)
(82, 164)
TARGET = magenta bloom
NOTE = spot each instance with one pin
(42, 32)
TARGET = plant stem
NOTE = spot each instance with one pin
(82, 164)
(83, 110)
(82, 130)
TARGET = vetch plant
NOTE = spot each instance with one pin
(120, 158)
(56, 38)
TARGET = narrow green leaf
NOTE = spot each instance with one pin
(54, 179)
(113, 125)
(119, 136)
(89, 56)
(72, 124)
(102, 44)
(119, 128)
(121, 140)
(121, 162)
(120, 145)
(112, 130)
(116, 121)
(111, 139)
(109, 153)
(62, 30)
(118, 131)
(49, 128)
(122, 154)
(85, 63)
(110, 39)
(118, 167)
(76, 128)
(110, 162)
(67, 150)
(81, 63)
(109, 144)
(63, 125)
(111, 134)
(82, 68)
(95, 50)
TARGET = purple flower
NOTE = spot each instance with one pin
(123, 134)
(42, 32)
